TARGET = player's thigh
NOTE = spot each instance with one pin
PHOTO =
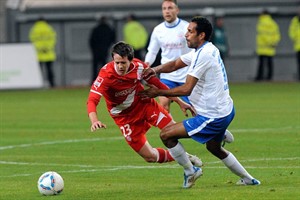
(174, 131)
(164, 101)
(156, 115)
(134, 132)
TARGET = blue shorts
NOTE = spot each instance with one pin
(203, 129)
(172, 84)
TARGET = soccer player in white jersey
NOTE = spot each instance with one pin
(169, 37)
(208, 91)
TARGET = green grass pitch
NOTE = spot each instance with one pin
(43, 130)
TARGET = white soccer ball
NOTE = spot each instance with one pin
(50, 183)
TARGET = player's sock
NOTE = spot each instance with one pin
(234, 165)
(163, 156)
(179, 154)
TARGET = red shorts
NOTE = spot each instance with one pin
(135, 124)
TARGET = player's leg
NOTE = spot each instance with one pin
(231, 162)
(151, 154)
(213, 145)
(157, 116)
(170, 135)
(134, 134)
(164, 102)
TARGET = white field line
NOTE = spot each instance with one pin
(113, 168)
(120, 138)
(58, 142)
(119, 167)
(131, 167)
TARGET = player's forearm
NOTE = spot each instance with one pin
(169, 66)
(175, 92)
(165, 68)
(93, 117)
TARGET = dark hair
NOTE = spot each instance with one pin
(203, 25)
(123, 49)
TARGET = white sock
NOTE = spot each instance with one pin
(233, 164)
(179, 154)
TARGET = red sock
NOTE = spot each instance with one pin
(164, 156)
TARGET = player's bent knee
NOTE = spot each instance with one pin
(164, 136)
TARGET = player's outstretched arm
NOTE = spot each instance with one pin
(96, 124)
(164, 68)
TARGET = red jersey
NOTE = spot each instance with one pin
(120, 91)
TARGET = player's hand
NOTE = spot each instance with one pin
(185, 106)
(97, 125)
(149, 93)
(148, 72)
(190, 108)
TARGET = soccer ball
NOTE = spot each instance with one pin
(50, 183)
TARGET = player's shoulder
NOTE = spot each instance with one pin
(207, 52)
(107, 69)
(183, 21)
(159, 27)
(209, 47)
(138, 63)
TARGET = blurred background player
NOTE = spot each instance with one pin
(101, 39)
(207, 87)
(169, 37)
(294, 33)
(118, 82)
(267, 38)
(43, 37)
(136, 35)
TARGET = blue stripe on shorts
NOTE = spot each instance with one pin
(203, 129)
(172, 84)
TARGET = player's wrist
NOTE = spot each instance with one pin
(153, 69)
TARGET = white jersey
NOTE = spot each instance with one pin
(210, 96)
(170, 38)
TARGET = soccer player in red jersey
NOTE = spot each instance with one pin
(119, 82)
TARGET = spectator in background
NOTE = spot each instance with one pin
(43, 37)
(267, 38)
(136, 35)
(219, 37)
(101, 38)
(294, 33)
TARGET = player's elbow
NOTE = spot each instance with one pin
(186, 91)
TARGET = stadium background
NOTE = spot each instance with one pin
(73, 20)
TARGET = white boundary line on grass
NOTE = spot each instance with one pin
(120, 138)
(59, 142)
(130, 167)
(114, 168)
